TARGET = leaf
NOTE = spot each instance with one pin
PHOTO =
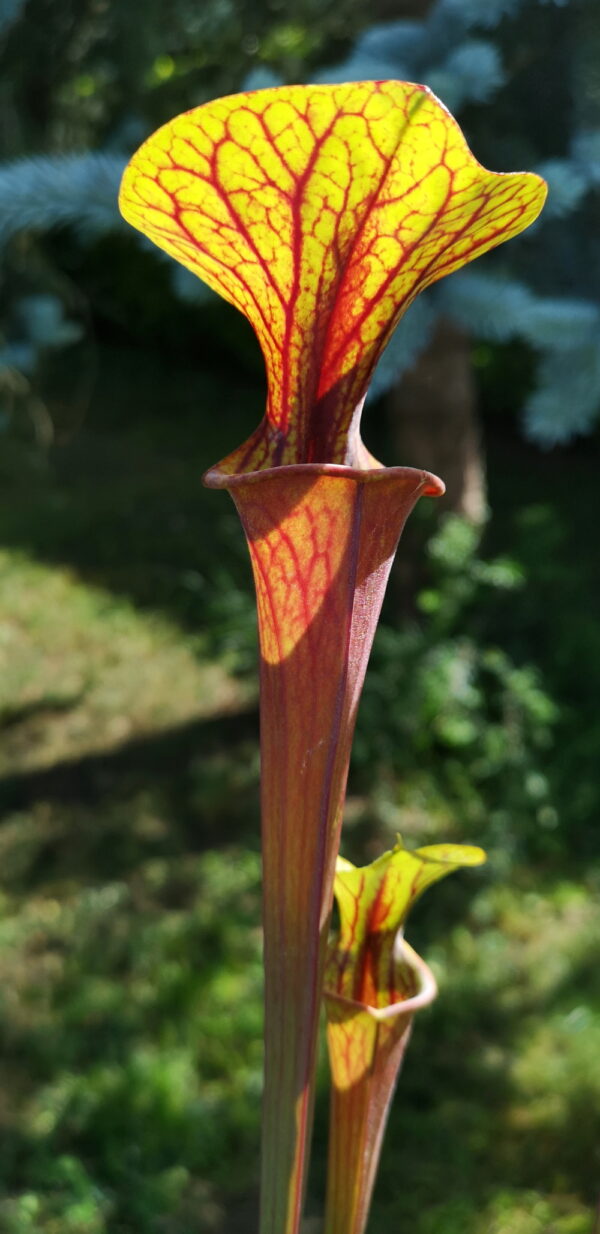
(374, 902)
(320, 212)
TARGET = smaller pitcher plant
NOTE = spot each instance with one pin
(320, 212)
(374, 985)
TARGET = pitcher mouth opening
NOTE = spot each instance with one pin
(424, 993)
(429, 484)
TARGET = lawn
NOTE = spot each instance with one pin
(130, 978)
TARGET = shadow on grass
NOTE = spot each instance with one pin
(120, 499)
(168, 757)
(186, 790)
(47, 709)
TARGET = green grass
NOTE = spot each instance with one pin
(130, 979)
(131, 1046)
(81, 671)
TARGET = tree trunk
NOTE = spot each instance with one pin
(434, 421)
(434, 425)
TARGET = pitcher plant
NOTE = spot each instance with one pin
(320, 212)
(374, 985)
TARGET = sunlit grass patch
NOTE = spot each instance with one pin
(81, 670)
(509, 1211)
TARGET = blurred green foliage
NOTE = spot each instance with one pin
(476, 724)
(78, 72)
